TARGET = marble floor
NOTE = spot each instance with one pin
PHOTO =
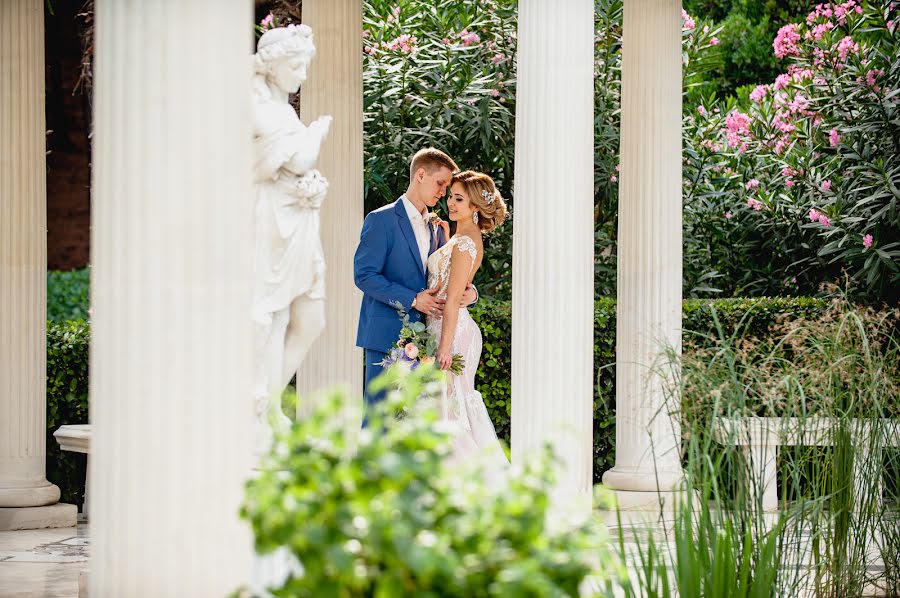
(43, 563)
(52, 563)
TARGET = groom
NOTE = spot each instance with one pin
(390, 262)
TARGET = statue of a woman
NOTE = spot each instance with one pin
(289, 267)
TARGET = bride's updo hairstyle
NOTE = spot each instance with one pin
(484, 197)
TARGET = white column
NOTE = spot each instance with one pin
(23, 275)
(171, 350)
(334, 86)
(552, 355)
(649, 250)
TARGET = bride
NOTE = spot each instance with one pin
(477, 208)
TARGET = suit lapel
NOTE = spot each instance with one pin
(406, 227)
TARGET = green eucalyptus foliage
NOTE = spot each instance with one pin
(386, 516)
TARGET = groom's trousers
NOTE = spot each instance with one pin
(373, 370)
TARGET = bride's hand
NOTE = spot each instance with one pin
(446, 226)
(444, 358)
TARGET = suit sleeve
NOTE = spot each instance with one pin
(368, 266)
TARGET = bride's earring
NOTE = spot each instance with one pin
(475, 217)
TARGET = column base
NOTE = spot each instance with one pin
(640, 480)
(29, 496)
(58, 515)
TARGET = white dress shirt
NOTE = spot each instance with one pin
(419, 221)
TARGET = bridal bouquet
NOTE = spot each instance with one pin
(417, 346)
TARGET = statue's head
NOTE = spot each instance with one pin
(283, 55)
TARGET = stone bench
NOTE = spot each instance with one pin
(761, 437)
(76, 438)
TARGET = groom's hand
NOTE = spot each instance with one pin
(470, 296)
(429, 303)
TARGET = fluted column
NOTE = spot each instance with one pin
(648, 315)
(552, 333)
(334, 86)
(171, 350)
(23, 274)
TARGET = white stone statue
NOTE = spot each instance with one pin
(289, 266)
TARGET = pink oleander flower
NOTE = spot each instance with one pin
(847, 46)
(824, 221)
(701, 110)
(785, 43)
(782, 81)
(813, 215)
(446, 40)
(755, 204)
(870, 76)
(736, 124)
(687, 22)
(706, 29)
(758, 93)
(497, 58)
(788, 171)
(614, 178)
(268, 22)
(714, 41)
(729, 215)
(867, 241)
(834, 138)
(411, 350)
(782, 144)
(495, 92)
(826, 185)
(752, 185)
(468, 39)
(370, 50)
(618, 166)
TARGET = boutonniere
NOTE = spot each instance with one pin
(434, 219)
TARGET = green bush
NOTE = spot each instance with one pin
(389, 517)
(68, 295)
(753, 316)
(67, 402)
(68, 358)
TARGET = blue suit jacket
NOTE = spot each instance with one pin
(388, 269)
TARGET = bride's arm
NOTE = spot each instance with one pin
(460, 268)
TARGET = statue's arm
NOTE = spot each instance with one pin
(368, 266)
(308, 142)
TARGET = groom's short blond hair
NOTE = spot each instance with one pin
(431, 159)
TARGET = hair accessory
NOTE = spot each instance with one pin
(488, 196)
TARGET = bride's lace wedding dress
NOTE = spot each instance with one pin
(462, 405)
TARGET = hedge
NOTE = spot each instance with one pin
(68, 295)
(67, 402)
(67, 367)
(752, 316)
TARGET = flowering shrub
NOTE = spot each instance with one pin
(443, 75)
(804, 183)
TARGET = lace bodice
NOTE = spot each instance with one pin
(439, 262)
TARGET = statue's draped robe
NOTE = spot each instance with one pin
(289, 261)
